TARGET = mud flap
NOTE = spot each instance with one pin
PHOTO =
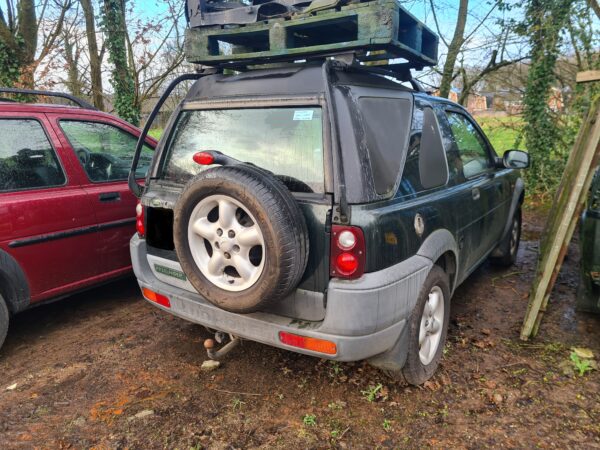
(394, 359)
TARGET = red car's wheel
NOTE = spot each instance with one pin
(3, 320)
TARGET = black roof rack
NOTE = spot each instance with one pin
(79, 102)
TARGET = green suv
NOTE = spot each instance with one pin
(323, 208)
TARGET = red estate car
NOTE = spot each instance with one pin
(66, 213)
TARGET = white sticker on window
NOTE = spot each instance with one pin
(303, 114)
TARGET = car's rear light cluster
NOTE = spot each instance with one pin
(308, 343)
(139, 219)
(347, 252)
(156, 298)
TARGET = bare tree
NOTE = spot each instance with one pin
(30, 31)
(94, 56)
(593, 4)
(470, 44)
(458, 39)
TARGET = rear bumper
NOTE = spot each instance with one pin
(364, 318)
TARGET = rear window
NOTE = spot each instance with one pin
(285, 141)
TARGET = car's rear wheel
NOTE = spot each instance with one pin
(428, 328)
(509, 246)
(240, 237)
(4, 317)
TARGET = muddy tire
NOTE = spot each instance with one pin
(4, 317)
(428, 327)
(510, 244)
(240, 237)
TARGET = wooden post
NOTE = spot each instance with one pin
(568, 205)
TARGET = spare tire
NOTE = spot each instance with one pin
(240, 237)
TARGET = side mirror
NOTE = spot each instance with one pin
(515, 159)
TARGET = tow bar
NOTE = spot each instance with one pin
(220, 337)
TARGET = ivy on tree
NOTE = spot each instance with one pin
(122, 79)
(545, 19)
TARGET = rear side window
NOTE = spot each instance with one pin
(386, 122)
(411, 177)
(27, 159)
(286, 141)
(426, 166)
(105, 151)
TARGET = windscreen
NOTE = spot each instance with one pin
(285, 141)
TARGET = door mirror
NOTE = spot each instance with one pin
(515, 159)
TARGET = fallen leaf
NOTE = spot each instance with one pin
(12, 387)
(209, 365)
(431, 385)
(491, 384)
(583, 352)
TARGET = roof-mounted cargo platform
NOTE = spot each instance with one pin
(291, 30)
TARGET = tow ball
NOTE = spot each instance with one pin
(220, 338)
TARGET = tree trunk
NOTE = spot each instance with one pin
(122, 77)
(28, 31)
(595, 6)
(454, 49)
(95, 63)
(74, 83)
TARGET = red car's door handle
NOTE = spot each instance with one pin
(109, 197)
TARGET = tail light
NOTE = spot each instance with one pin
(139, 219)
(347, 252)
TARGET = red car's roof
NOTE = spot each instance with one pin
(44, 107)
(8, 106)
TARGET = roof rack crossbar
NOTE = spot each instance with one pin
(79, 102)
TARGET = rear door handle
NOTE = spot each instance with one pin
(475, 193)
(110, 197)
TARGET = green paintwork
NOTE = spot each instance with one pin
(316, 275)
(389, 228)
(588, 293)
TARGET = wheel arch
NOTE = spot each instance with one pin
(13, 284)
(441, 248)
(517, 200)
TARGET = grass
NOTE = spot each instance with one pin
(156, 133)
(309, 420)
(503, 132)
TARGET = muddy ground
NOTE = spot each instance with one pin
(104, 369)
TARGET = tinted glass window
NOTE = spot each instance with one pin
(410, 184)
(387, 124)
(27, 159)
(452, 155)
(285, 141)
(105, 151)
(472, 149)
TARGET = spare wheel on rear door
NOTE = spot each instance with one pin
(240, 237)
